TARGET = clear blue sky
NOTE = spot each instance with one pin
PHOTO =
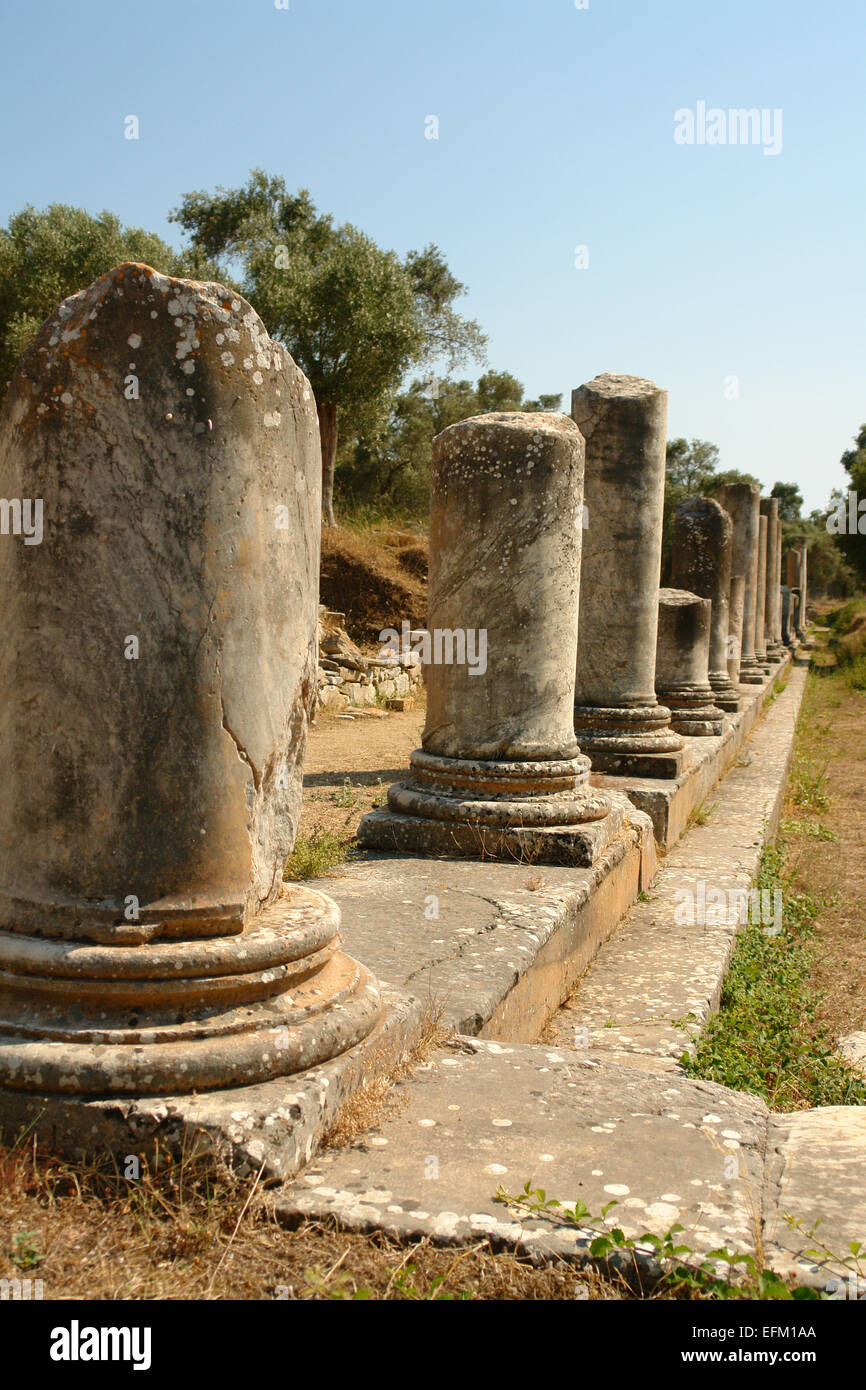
(556, 129)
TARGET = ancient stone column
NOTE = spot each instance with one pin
(682, 663)
(742, 502)
(159, 665)
(499, 771)
(804, 595)
(779, 638)
(770, 509)
(702, 544)
(617, 717)
(796, 614)
(735, 626)
(787, 613)
(761, 600)
(796, 569)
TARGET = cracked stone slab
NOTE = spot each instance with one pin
(815, 1171)
(473, 935)
(484, 1114)
(658, 978)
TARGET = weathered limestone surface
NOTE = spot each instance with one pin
(702, 550)
(499, 770)
(804, 594)
(770, 509)
(779, 581)
(618, 719)
(787, 611)
(682, 656)
(736, 603)
(159, 668)
(742, 502)
(761, 601)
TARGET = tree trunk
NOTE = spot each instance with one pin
(328, 436)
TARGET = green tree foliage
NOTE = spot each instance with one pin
(354, 317)
(852, 543)
(790, 500)
(46, 256)
(691, 470)
(392, 470)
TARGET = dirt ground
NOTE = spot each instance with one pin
(350, 765)
(825, 825)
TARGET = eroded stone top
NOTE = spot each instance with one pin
(679, 598)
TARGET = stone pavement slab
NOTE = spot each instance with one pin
(486, 1114)
(658, 978)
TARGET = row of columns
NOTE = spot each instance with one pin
(159, 668)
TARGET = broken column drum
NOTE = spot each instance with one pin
(499, 765)
(770, 509)
(159, 665)
(742, 502)
(682, 663)
(618, 720)
(702, 548)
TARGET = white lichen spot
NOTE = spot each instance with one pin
(134, 340)
(227, 359)
(258, 378)
(272, 420)
(66, 398)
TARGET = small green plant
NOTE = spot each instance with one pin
(25, 1252)
(682, 1271)
(813, 830)
(702, 813)
(347, 797)
(380, 796)
(809, 786)
(316, 854)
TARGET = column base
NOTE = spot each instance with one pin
(693, 712)
(575, 846)
(751, 674)
(183, 1015)
(725, 693)
(635, 741)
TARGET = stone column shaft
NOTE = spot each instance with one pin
(742, 502)
(160, 662)
(702, 549)
(735, 623)
(770, 508)
(761, 600)
(682, 663)
(500, 772)
(618, 719)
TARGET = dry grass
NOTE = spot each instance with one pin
(372, 1103)
(188, 1232)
